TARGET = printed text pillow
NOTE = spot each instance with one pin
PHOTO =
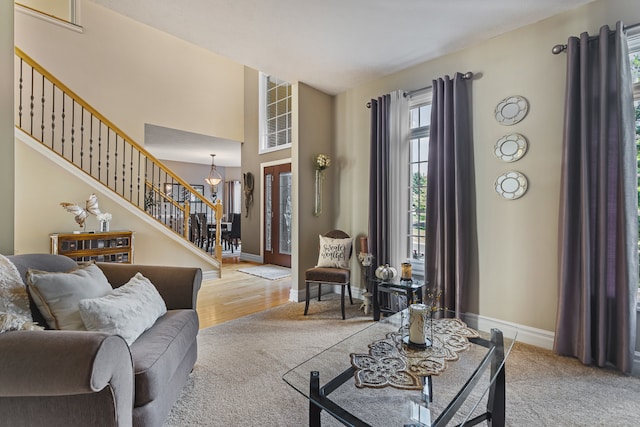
(334, 252)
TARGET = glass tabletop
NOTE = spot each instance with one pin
(379, 377)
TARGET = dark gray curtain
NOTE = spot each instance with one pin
(598, 205)
(379, 181)
(450, 192)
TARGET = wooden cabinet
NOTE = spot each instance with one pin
(110, 246)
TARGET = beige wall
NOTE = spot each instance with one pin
(313, 134)
(195, 174)
(134, 74)
(6, 129)
(58, 8)
(41, 185)
(517, 239)
(252, 162)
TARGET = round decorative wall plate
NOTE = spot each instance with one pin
(511, 110)
(511, 147)
(511, 185)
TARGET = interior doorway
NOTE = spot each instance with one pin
(277, 214)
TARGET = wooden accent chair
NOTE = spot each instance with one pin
(329, 276)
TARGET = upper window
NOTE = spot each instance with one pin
(419, 127)
(275, 113)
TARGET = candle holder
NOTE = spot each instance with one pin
(366, 259)
(420, 328)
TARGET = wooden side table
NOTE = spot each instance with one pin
(109, 246)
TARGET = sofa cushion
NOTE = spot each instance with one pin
(57, 294)
(158, 352)
(127, 311)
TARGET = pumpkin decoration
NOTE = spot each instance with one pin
(385, 272)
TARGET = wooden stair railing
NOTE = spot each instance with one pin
(62, 121)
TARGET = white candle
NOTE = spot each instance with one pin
(417, 316)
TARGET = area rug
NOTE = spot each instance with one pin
(267, 271)
(237, 379)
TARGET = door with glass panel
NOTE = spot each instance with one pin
(277, 215)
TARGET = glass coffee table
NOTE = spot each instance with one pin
(376, 377)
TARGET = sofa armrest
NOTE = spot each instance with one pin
(178, 286)
(58, 363)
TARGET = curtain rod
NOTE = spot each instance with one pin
(559, 48)
(466, 76)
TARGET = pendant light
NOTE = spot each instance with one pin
(214, 178)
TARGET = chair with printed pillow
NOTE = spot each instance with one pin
(333, 266)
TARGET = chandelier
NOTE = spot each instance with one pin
(214, 178)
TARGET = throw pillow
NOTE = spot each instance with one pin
(16, 322)
(57, 294)
(334, 252)
(15, 313)
(127, 311)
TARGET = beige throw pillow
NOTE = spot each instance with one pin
(127, 311)
(57, 294)
(334, 252)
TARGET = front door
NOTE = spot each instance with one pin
(277, 215)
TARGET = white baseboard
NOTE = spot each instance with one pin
(525, 334)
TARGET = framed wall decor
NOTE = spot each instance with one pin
(180, 194)
(511, 110)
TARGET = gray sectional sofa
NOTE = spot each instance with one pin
(83, 378)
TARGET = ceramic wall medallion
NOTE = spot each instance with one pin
(511, 185)
(511, 110)
(511, 148)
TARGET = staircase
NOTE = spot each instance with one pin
(71, 129)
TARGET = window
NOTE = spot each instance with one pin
(275, 113)
(419, 121)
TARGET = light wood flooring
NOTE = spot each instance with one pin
(238, 294)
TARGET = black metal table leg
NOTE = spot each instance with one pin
(376, 304)
(314, 410)
(497, 392)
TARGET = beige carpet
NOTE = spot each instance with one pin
(237, 379)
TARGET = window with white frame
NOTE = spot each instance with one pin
(275, 113)
(419, 128)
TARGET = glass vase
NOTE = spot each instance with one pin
(104, 226)
(317, 206)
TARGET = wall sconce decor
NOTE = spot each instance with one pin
(248, 191)
(322, 162)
